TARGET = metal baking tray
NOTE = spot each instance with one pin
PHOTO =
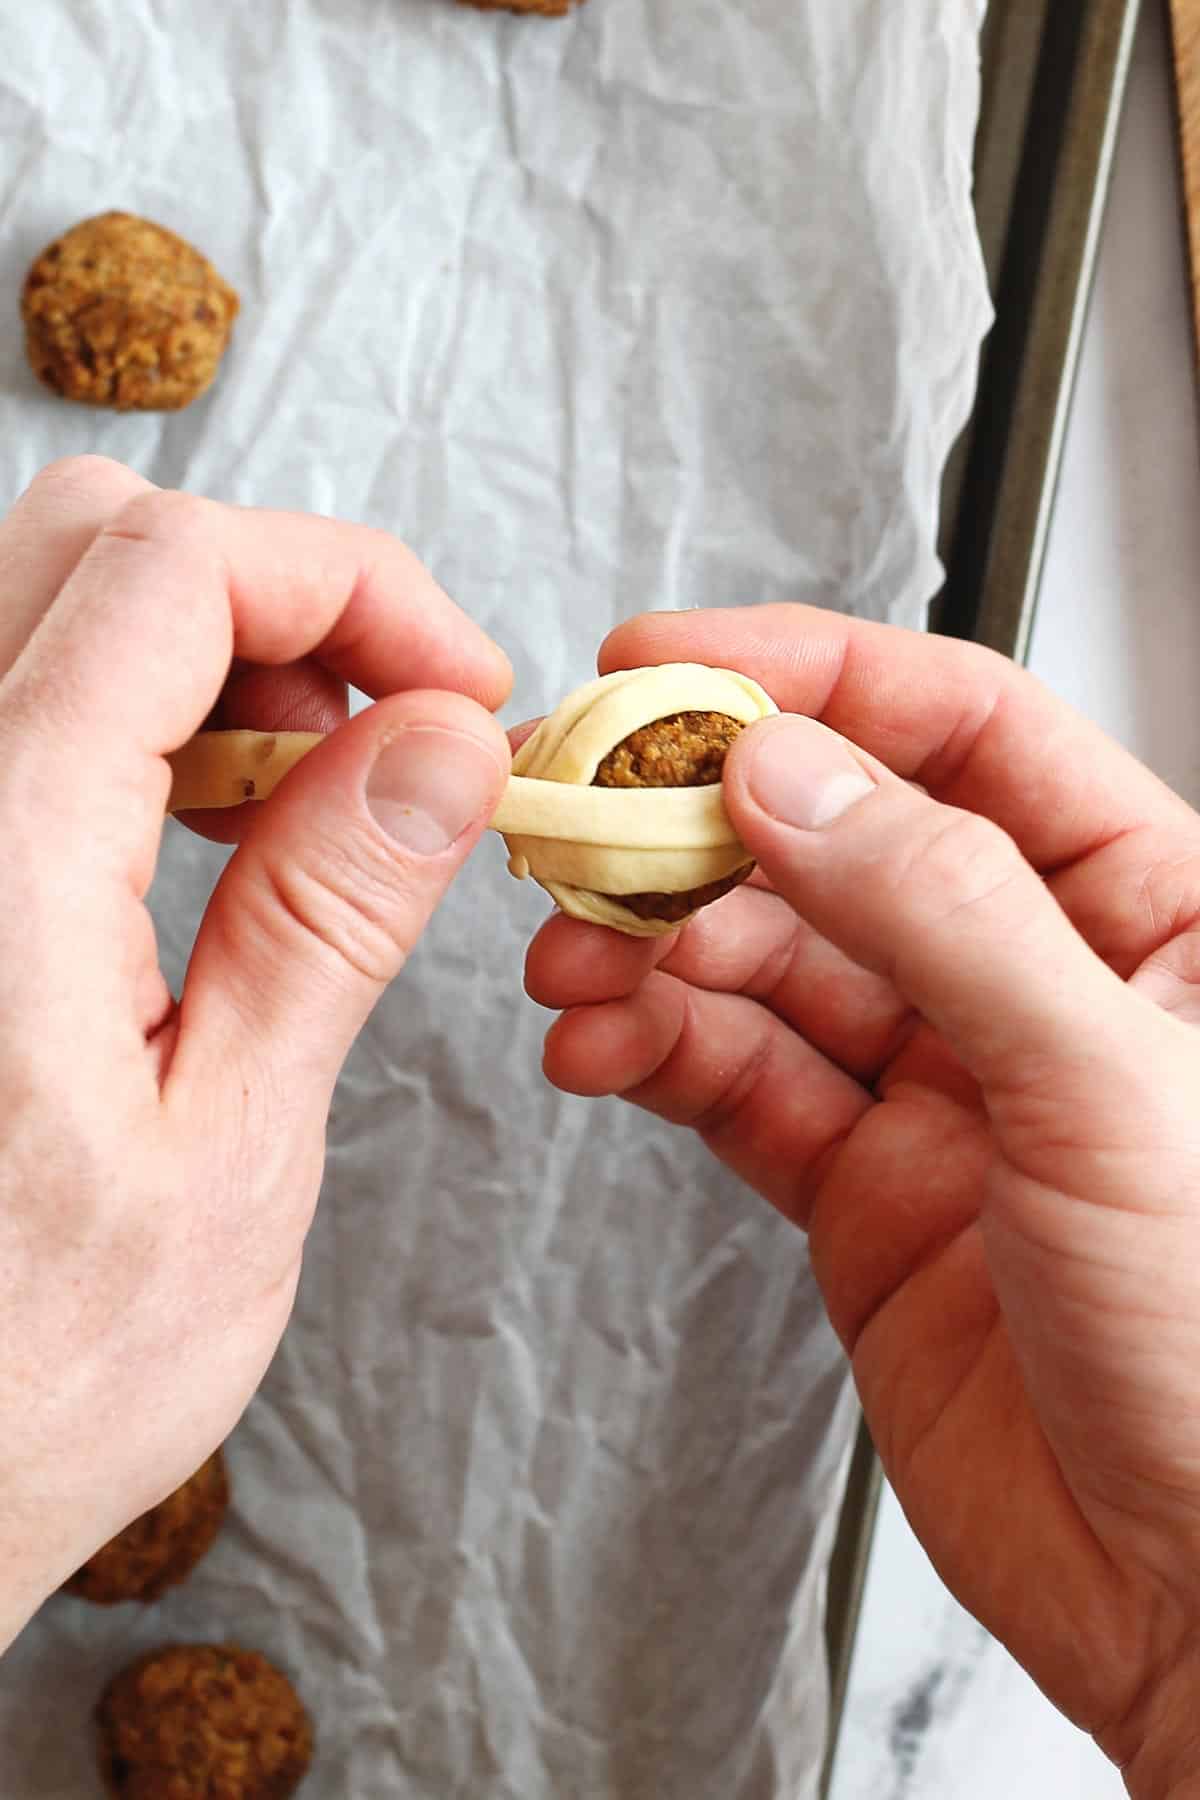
(1054, 76)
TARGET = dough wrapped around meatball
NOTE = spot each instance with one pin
(614, 805)
(638, 837)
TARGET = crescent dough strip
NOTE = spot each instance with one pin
(662, 819)
(584, 844)
(224, 768)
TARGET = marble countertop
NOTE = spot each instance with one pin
(937, 1710)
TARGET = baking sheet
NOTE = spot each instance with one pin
(662, 305)
(1055, 74)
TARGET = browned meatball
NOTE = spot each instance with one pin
(202, 1722)
(121, 312)
(162, 1547)
(684, 750)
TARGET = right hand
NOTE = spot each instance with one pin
(952, 1034)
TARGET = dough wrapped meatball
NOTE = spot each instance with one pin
(642, 839)
(614, 804)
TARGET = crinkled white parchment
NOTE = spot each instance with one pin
(672, 303)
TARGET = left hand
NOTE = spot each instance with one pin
(160, 1158)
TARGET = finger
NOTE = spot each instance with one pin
(970, 726)
(299, 696)
(295, 696)
(47, 532)
(1137, 902)
(328, 893)
(1170, 977)
(750, 943)
(764, 1102)
(573, 963)
(133, 654)
(940, 903)
(517, 734)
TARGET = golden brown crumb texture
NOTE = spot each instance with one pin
(202, 1722)
(684, 750)
(121, 312)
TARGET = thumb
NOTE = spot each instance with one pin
(939, 900)
(331, 888)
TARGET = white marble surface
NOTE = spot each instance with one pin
(937, 1710)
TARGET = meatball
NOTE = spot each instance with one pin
(121, 312)
(162, 1547)
(202, 1722)
(684, 750)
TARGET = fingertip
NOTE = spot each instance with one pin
(519, 734)
(638, 642)
(442, 709)
(439, 766)
(788, 773)
(571, 962)
(552, 1054)
(498, 677)
(539, 987)
(568, 1059)
(613, 1046)
(98, 482)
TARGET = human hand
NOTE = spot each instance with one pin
(952, 1034)
(161, 1160)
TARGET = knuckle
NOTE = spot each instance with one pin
(722, 1112)
(346, 910)
(90, 478)
(1168, 897)
(704, 1087)
(379, 548)
(997, 668)
(959, 863)
(161, 516)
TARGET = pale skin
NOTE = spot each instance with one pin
(950, 1031)
(161, 1157)
(957, 1045)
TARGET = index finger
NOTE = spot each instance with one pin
(299, 696)
(971, 727)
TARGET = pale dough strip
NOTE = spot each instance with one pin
(618, 818)
(586, 845)
(226, 768)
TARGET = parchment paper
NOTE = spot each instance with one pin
(673, 303)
